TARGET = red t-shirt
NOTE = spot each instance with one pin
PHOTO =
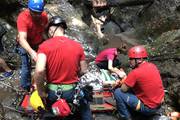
(146, 83)
(34, 29)
(63, 59)
(107, 54)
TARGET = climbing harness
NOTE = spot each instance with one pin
(63, 87)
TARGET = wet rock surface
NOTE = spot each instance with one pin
(166, 54)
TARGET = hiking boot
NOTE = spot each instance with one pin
(6, 75)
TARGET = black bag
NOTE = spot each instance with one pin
(88, 93)
(2, 32)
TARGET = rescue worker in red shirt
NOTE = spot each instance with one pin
(107, 59)
(61, 60)
(31, 24)
(146, 85)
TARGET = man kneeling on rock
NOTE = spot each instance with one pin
(142, 91)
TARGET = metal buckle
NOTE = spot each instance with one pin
(58, 93)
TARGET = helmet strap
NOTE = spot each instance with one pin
(137, 62)
(53, 32)
(63, 31)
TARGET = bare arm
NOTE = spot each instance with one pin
(39, 75)
(23, 42)
(119, 72)
(99, 3)
(111, 3)
(83, 67)
(110, 66)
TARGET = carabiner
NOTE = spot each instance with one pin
(58, 93)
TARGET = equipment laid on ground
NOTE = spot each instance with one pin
(103, 101)
(35, 101)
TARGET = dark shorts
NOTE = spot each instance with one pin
(104, 64)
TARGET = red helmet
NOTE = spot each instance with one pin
(137, 52)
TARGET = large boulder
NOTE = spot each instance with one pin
(165, 53)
